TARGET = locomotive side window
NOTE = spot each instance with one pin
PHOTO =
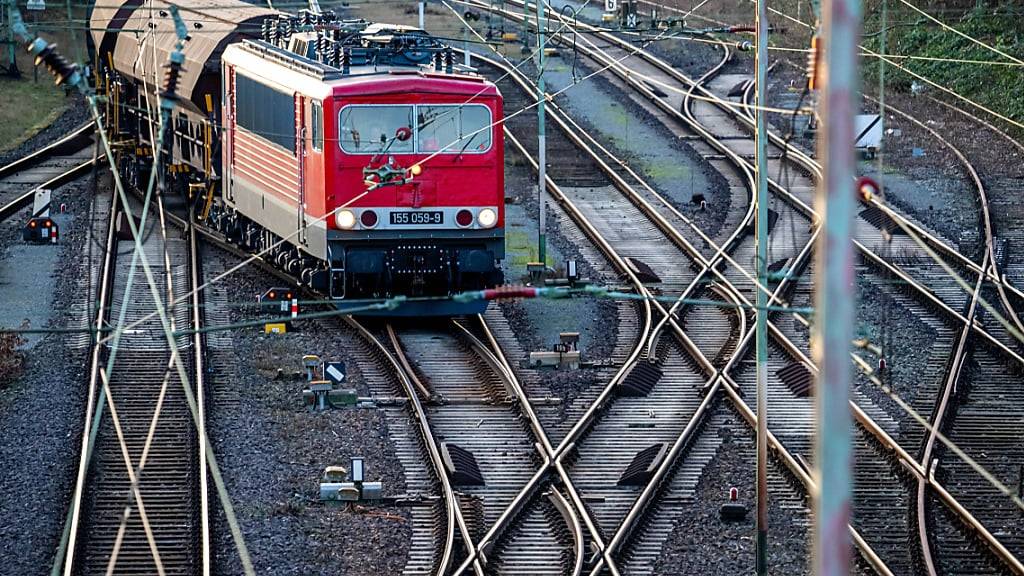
(317, 120)
(455, 129)
(371, 129)
(266, 112)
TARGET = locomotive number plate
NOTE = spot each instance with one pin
(418, 217)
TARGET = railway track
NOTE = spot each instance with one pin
(1002, 552)
(49, 167)
(976, 406)
(677, 445)
(145, 445)
(882, 437)
(711, 369)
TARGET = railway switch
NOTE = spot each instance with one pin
(565, 354)
(323, 381)
(311, 363)
(322, 394)
(338, 485)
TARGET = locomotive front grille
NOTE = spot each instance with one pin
(418, 259)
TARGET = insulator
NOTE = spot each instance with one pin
(172, 74)
(265, 30)
(62, 70)
(437, 62)
(346, 59)
(335, 54)
(449, 60)
(305, 17)
(813, 59)
(321, 47)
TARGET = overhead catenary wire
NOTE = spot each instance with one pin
(915, 75)
(69, 73)
(974, 464)
(961, 34)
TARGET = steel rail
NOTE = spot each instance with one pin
(106, 284)
(678, 332)
(634, 78)
(926, 458)
(77, 140)
(811, 166)
(14, 206)
(868, 553)
(492, 355)
(992, 269)
(581, 425)
(862, 418)
(453, 516)
(198, 346)
(925, 473)
(563, 505)
(1004, 282)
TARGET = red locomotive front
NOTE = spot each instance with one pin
(383, 176)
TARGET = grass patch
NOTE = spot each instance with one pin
(28, 108)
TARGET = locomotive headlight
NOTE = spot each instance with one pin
(345, 219)
(487, 217)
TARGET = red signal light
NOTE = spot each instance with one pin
(463, 217)
(368, 218)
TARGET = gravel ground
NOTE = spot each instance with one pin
(76, 114)
(537, 323)
(272, 452)
(41, 411)
(908, 352)
(668, 164)
(703, 544)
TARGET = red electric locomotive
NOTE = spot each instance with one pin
(356, 155)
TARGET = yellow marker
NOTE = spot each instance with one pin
(275, 328)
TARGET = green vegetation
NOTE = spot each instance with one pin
(997, 87)
(28, 107)
(522, 248)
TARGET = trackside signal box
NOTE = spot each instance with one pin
(40, 228)
(280, 302)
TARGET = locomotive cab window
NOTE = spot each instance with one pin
(317, 130)
(373, 129)
(450, 129)
(455, 129)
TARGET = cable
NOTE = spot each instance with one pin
(961, 34)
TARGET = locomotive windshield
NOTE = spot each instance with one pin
(371, 129)
(454, 128)
(450, 129)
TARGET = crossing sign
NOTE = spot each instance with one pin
(335, 372)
